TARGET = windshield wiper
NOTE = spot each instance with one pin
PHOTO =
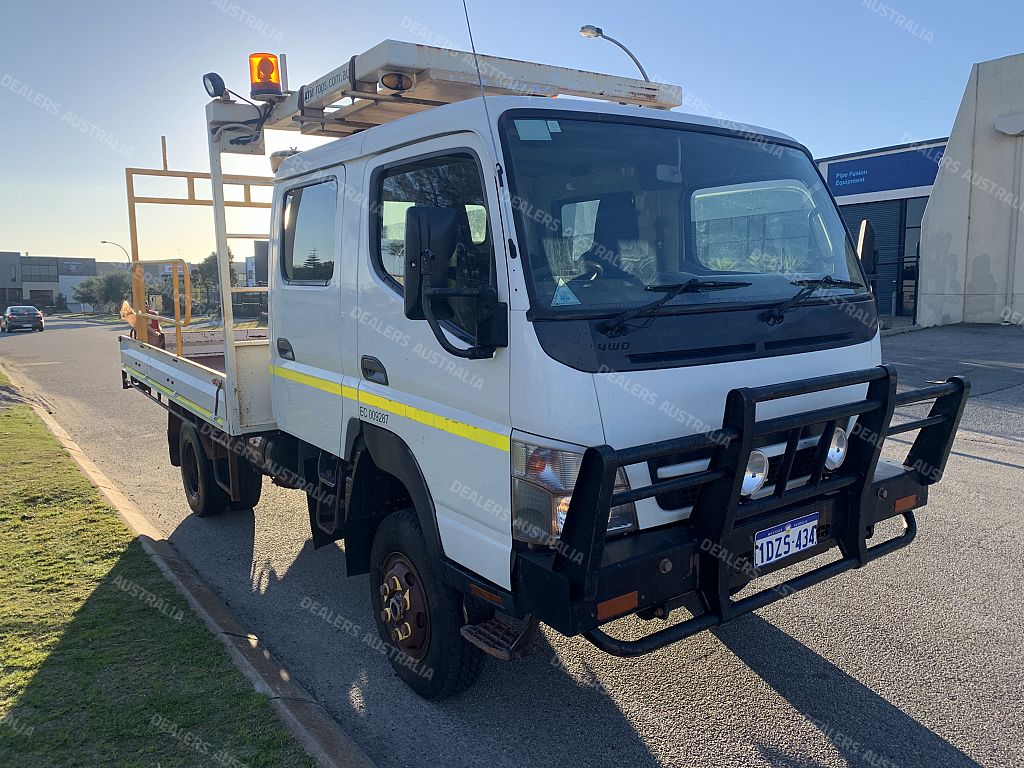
(617, 326)
(777, 314)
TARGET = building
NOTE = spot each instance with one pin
(10, 278)
(44, 281)
(48, 281)
(256, 265)
(890, 187)
(948, 213)
(972, 243)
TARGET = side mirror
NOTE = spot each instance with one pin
(866, 248)
(431, 238)
(430, 235)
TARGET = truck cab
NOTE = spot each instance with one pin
(550, 361)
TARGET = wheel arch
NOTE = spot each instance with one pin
(385, 477)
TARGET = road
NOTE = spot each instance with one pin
(914, 661)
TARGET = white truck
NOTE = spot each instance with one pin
(543, 359)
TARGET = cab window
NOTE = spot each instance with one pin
(308, 245)
(443, 181)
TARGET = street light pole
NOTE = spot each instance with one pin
(131, 268)
(589, 30)
(126, 255)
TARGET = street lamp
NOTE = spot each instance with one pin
(589, 30)
(107, 242)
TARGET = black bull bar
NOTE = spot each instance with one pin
(588, 580)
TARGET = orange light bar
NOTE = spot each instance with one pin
(264, 75)
(905, 504)
(617, 606)
(483, 593)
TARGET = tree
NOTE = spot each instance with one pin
(109, 289)
(113, 287)
(87, 291)
(208, 272)
(313, 268)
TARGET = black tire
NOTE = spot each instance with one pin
(446, 664)
(251, 481)
(204, 496)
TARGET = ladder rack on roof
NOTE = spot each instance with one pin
(439, 76)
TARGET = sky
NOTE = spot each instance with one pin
(88, 88)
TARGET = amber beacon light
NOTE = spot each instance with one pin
(264, 75)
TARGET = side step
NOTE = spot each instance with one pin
(496, 638)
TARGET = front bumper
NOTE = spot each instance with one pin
(587, 581)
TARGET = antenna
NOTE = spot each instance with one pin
(483, 94)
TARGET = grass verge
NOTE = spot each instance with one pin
(102, 662)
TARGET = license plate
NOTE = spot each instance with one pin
(781, 541)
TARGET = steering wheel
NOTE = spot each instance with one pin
(593, 271)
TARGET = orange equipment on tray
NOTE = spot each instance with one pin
(155, 332)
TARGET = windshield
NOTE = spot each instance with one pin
(607, 209)
(23, 311)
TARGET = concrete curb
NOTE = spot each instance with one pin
(306, 719)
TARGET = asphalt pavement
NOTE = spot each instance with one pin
(912, 661)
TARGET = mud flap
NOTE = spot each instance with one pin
(327, 506)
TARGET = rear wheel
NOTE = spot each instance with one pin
(204, 496)
(419, 617)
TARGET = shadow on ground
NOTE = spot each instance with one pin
(313, 602)
(863, 727)
(135, 678)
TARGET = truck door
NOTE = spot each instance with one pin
(305, 311)
(452, 413)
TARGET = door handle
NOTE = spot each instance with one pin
(373, 370)
(284, 349)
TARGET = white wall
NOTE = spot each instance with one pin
(67, 285)
(970, 252)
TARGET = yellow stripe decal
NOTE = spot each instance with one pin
(451, 426)
(332, 387)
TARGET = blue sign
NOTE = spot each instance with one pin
(898, 170)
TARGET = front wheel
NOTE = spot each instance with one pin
(418, 617)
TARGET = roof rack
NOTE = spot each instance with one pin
(438, 76)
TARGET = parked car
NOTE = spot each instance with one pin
(21, 317)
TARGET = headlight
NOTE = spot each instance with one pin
(837, 450)
(543, 479)
(756, 473)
